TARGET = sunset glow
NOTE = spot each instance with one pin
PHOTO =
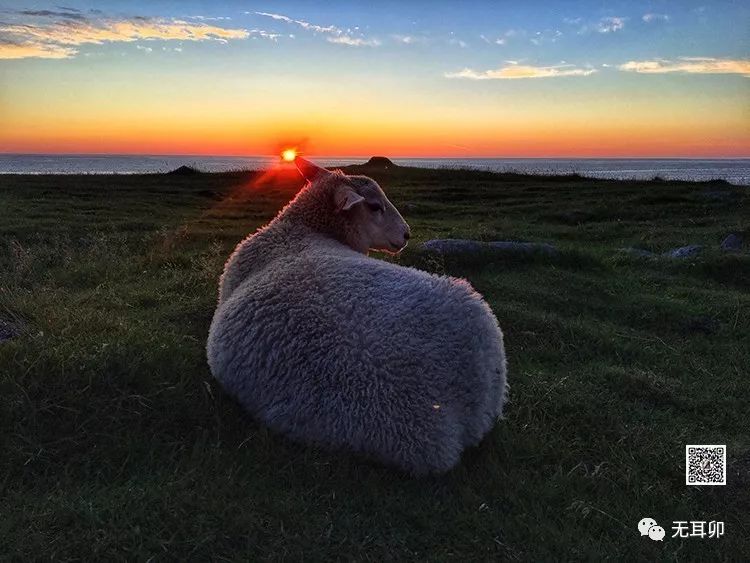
(476, 79)
(289, 155)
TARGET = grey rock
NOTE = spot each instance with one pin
(465, 246)
(732, 242)
(7, 330)
(684, 251)
(524, 247)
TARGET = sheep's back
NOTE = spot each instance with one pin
(321, 333)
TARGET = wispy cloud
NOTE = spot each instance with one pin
(546, 36)
(651, 17)
(518, 71)
(57, 36)
(10, 49)
(409, 39)
(610, 24)
(496, 41)
(270, 35)
(209, 18)
(349, 37)
(68, 13)
(353, 41)
(302, 23)
(690, 65)
(457, 42)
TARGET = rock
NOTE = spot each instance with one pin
(184, 171)
(732, 243)
(639, 252)
(684, 251)
(465, 246)
(452, 246)
(524, 247)
(7, 330)
(380, 162)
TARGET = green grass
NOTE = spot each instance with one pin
(117, 444)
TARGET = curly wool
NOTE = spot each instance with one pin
(328, 346)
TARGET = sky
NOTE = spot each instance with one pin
(658, 78)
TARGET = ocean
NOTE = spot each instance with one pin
(735, 171)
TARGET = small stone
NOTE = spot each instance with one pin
(732, 243)
(684, 251)
(7, 330)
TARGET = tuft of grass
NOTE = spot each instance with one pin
(117, 444)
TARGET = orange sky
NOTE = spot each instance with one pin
(245, 83)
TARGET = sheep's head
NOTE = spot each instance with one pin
(362, 215)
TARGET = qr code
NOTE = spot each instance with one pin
(706, 465)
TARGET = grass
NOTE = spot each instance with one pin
(117, 444)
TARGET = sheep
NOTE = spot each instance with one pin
(329, 346)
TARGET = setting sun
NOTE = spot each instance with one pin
(288, 155)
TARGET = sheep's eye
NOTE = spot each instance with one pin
(375, 207)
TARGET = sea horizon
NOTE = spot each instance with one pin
(733, 170)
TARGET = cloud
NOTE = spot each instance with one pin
(302, 23)
(457, 42)
(67, 13)
(409, 39)
(98, 32)
(498, 41)
(335, 34)
(25, 50)
(209, 18)
(651, 17)
(690, 65)
(353, 41)
(143, 48)
(59, 39)
(263, 34)
(610, 25)
(517, 71)
(546, 36)
(503, 38)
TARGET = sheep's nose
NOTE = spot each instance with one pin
(407, 235)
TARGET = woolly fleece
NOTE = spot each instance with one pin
(329, 346)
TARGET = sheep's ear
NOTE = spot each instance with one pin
(345, 198)
(309, 170)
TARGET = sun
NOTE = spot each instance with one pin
(288, 155)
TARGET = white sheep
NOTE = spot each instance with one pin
(328, 346)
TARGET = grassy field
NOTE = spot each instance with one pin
(117, 444)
